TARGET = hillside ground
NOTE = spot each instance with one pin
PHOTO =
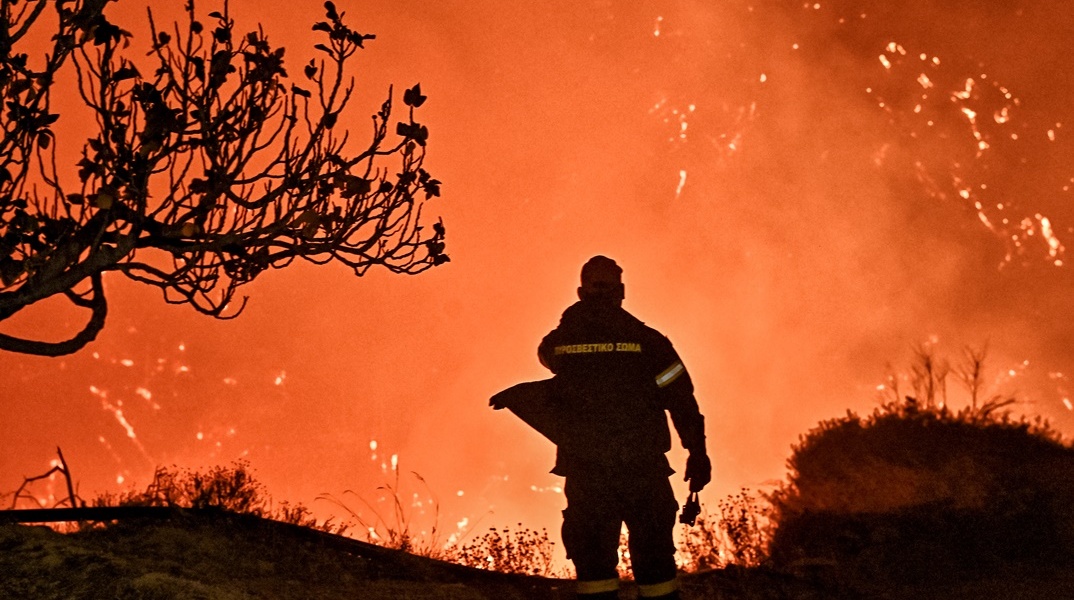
(232, 557)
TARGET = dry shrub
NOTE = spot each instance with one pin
(299, 514)
(736, 535)
(916, 488)
(230, 488)
(523, 551)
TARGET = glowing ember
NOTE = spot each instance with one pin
(682, 183)
(821, 228)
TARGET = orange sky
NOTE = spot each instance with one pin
(782, 212)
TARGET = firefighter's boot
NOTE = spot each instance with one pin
(659, 592)
(599, 596)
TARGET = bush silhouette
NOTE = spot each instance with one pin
(913, 490)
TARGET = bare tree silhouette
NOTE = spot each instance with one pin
(200, 174)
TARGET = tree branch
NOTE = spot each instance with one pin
(88, 334)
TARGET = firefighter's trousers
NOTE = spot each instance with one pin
(597, 506)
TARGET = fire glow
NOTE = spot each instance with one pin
(793, 191)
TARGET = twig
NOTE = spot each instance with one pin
(72, 499)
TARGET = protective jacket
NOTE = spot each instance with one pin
(614, 379)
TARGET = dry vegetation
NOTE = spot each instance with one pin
(918, 493)
(522, 551)
(915, 500)
(736, 535)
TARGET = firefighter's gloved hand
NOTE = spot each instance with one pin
(698, 471)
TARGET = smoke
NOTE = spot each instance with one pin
(781, 212)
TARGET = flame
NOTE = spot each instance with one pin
(703, 117)
(555, 489)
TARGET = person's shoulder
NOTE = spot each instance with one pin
(574, 311)
(569, 321)
(646, 330)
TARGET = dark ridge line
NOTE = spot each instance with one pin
(92, 513)
(331, 540)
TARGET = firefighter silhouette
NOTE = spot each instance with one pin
(614, 380)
